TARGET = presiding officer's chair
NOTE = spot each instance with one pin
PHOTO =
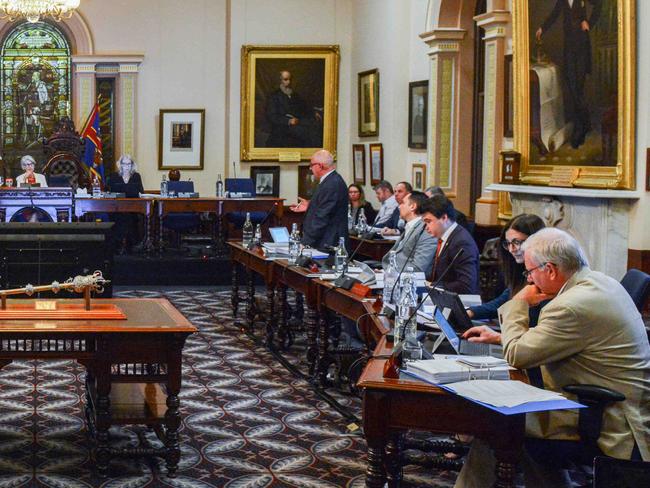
(181, 222)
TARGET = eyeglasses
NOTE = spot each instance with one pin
(527, 273)
(516, 243)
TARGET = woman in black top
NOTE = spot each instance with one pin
(128, 181)
(358, 201)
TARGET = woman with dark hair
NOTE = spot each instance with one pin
(358, 201)
(511, 261)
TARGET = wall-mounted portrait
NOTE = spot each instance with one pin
(181, 134)
(418, 98)
(181, 137)
(266, 180)
(368, 103)
(289, 100)
(419, 176)
(359, 163)
(574, 90)
(307, 182)
(376, 163)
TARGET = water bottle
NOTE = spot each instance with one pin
(247, 231)
(164, 193)
(350, 218)
(405, 305)
(362, 223)
(341, 257)
(390, 279)
(219, 187)
(258, 235)
(294, 244)
(97, 190)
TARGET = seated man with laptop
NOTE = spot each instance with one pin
(589, 333)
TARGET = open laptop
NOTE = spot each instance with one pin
(280, 235)
(461, 346)
(458, 317)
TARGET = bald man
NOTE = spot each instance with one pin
(326, 219)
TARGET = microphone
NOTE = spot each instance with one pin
(268, 214)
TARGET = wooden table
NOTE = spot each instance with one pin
(393, 406)
(119, 355)
(143, 206)
(371, 248)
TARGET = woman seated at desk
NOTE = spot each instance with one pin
(128, 181)
(358, 202)
(29, 177)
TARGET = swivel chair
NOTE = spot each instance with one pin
(244, 186)
(637, 284)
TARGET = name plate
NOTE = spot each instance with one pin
(289, 156)
(564, 176)
(45, 305)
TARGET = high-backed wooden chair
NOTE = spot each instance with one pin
(63, 151)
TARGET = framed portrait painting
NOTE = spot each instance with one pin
(419, 176)
(181, 134)
(266, 180)
(289, 100)
(359, 163)
(368, 103)
(376, 163)
(574, 92)
(418, 100)
(307, 182)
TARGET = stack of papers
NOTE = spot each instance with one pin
(451, 370)
(502, 393)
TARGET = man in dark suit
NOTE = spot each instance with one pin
(577, 57)
(439, 217)
(327, 212)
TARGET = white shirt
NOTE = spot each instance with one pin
(410, 224)
(446, 235)
(385, 211)
(322, 178)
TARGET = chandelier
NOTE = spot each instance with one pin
(33, 10)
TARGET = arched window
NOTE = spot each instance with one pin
(35, 89)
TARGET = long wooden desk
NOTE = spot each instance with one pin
(393, 406)
(146, 347)
(371, 248)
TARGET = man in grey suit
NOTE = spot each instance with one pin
(589, 333)
(414, 247)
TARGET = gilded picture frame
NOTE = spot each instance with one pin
(368, 103)
(595, 142)
(419, 176)
(288, 121)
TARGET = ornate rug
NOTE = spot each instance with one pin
(247, 422)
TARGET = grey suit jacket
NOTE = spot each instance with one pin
(590, 333)
(418, 244)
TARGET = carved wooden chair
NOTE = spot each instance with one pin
(63, 151)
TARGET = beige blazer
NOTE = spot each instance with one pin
(590, 333)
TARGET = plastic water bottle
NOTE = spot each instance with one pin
(405, 305)
(362, 223)
(164, 193)
(341, 257)
(247, 231)
(219, 187)
(257, 241)
(97, 190)
(390, 279)
(294, 244)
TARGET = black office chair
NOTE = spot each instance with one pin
(637, 284)
(181, 222)
(620, 473)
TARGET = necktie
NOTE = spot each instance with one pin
(438, 248)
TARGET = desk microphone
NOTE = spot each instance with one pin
(343, 281)
(268, 214)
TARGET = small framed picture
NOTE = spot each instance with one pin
(418, 100)
(267, 180)
(376, 163)
(359, 163)
(181, 137)
(419, 176)
(368, 103)
(307, 182)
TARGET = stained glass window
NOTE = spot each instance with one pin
(35, 88)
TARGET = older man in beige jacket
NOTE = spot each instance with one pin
(589, 333)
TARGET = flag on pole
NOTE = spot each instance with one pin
(93, 151)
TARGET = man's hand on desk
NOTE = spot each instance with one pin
(301, 206)
(532, 295)
(389, 232)
(482, 333)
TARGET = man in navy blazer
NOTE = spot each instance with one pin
(439, 217)
(326, 219)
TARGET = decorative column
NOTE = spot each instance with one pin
(84, 92)
(442, 156)
(127, 104)
(495, 24)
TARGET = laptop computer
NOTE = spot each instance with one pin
(280, 235)
(461, 346)
(458, 317)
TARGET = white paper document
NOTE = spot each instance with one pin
(502, 393)
(443, 371)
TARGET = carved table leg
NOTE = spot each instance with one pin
(505, 469)
(250, 303)
(271, 319)
(323, 359)
(161, 243)
(299, 312)
(173, 416)
(375, 474)
(234, 292)
(311, 322)
(393, 460)
(284, 334)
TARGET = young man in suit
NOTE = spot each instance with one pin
(326, 218)
(439, 217)
(415, 247)
(589, 333)
(395, 226)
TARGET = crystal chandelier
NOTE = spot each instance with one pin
(33, 10)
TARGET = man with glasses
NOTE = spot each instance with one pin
(326, 218)
(589, 333)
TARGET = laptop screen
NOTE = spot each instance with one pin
(279, 234)
(447, 329)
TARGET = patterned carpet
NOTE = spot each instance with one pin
(247, 422)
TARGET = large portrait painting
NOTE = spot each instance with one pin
(575, 91)
(289, 101)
